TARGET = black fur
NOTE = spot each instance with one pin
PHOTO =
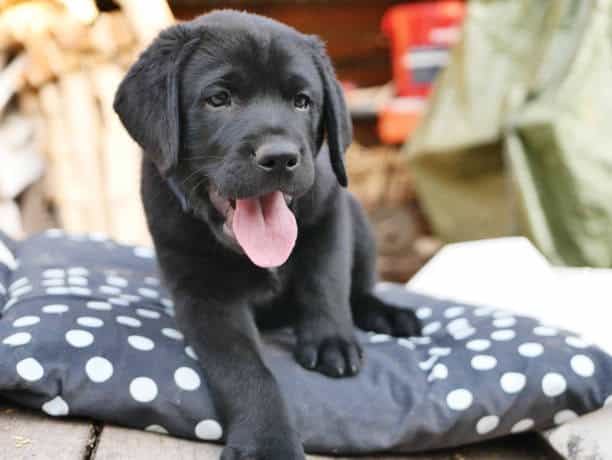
(220, 296)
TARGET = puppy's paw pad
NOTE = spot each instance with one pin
(333, 356)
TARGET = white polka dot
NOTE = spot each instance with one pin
(457, 324)
(116, 281)
(428, 364)
(53, 273)
(487, 424)
(19, 283)
(53, 282)
(89, 321)
(513, 382)
(129, 321)
(187, 379)
(464, 333)
(553, 384)
(478, 345)
(460, 399)
(483, 362)
(208, 430)
(504, 322)
(167, 303)
(21, 291)
(156, 429)
(80, 291)
(99, 369)
(79, 338)
(420, 340)
(110, 290)
(483, 311)
(18, 339)
(438, 372)
(608, 401)
(130, 297)
(190, 352)
(172, 333)
(453, 312)
(144, 252)
(55, 309)
(141, 343)
(78, 271)
(431, 328)
(149, 293)
(523, 425)
(57, 407)
(77, 281)
(380, 338)
(583, 366)
(545, 331)
(530, 350)
(503, 335)
(97, 305)
(502, 314)
(406, 343)
(29, 369)
(143, 389)
(576, 342)
(25, 321)
(59, 290)
(565, 416)
(151, 281)
(146, 313)
(440, 351)
(119, 301)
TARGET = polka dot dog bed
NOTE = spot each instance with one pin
(87, 330)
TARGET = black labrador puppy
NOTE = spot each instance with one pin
(244, 127)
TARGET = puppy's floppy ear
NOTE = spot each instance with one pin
(336, 118)
(147, 100)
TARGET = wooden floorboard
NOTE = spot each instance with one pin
(117, 443)
(26, 435)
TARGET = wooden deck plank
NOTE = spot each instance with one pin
(117, 443)
(26, 435)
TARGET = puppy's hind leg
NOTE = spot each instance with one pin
(369, 312)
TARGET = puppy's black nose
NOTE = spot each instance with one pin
(277, 157)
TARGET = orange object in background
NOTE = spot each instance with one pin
(421, 35)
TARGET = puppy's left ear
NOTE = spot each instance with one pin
(336, 118)
(147, 100)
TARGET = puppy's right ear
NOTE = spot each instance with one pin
(147, 100)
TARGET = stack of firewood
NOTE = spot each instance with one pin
(62, 62)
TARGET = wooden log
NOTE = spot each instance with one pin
(12, 79)
(148, 17)
(83, 134)
(111, 33)
(121, 158)
(61, 171)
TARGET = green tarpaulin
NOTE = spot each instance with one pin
(518, 135)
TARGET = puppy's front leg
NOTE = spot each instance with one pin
(324, 327)
(246, 394)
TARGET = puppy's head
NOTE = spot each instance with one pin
(233, 109)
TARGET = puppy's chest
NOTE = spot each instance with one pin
(277, 285)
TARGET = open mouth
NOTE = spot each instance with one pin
(263, 226)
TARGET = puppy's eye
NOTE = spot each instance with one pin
(302, 102)
(220, 99)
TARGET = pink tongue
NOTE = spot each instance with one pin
(265, 229)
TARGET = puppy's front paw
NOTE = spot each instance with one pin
(282, 450)
(386, 319)
(335, 356)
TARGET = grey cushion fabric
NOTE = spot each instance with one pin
(87, 330)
